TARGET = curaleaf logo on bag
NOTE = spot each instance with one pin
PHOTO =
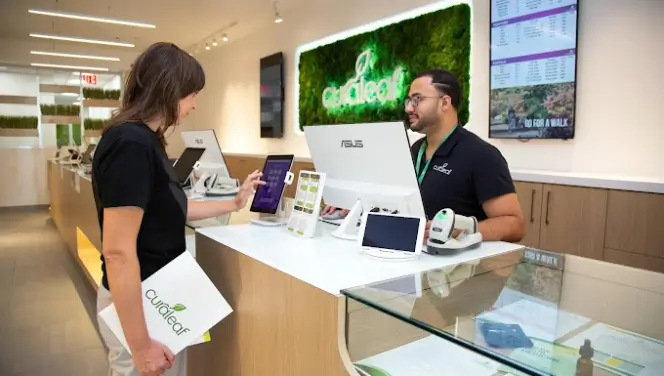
(167, 311)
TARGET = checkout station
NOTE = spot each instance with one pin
(363, 294)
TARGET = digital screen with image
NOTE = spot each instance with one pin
(533, 68)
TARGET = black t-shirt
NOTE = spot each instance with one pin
(464, 173)
(131, 168)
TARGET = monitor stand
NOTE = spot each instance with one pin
(386, 255)
(348, 228)
(270, 221)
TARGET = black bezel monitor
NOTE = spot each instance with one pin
(185, 164)
(272, 96)
(267, 197)
(533, 69)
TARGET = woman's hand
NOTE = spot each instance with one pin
(247, 189)
(332, 209)
(153, 360)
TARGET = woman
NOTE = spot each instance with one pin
(141, 207)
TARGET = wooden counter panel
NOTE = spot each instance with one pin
(280, 326)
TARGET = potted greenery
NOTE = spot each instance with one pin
(19, 126)
(52, 114)
(93, 127)
(100, 98)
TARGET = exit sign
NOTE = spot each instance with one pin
(90, 79)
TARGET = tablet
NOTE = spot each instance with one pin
(391, 236)
(267, 197)
(185, 164)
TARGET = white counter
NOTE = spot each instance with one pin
(328, 263)
(647, 185)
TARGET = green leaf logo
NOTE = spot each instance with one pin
(179, 307)
(362, 63)
(372, 370)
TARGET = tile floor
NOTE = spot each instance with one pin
(47, 310)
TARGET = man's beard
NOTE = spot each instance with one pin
(423, 124)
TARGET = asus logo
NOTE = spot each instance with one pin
(351, 144)
(199, 141)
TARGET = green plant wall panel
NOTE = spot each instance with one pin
(76, 134)
(62, 135)
(366, 77)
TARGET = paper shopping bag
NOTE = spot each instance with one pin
(180, 304)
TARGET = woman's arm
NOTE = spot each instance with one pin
(120, 231)
(197, 210)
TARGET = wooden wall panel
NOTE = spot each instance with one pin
(23, 173)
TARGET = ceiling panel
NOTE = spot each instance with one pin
(183, 23)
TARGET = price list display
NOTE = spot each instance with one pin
(533, 68)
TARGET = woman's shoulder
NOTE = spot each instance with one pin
(130, 133)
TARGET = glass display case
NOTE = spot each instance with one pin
(525, 312)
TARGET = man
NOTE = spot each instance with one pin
(455, 168)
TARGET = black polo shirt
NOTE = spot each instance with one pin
(464, 173)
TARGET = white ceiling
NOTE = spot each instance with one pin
(183, 23)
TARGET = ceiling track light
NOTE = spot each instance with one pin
(74, 56)
(82, 17)
(277, 16)
(82, 40)
(225, 38)
(72, 67)
(214, 43)
(207, 47)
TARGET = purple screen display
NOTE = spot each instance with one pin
(268, 196)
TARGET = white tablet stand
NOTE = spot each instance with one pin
(306, 206)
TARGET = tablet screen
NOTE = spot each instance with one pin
(268, 196)
(391, 232)
(185, 164)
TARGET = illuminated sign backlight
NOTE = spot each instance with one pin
(359, 90)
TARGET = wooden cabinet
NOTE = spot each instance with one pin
(564, 219)
(530, 198)
(634, 234)
(573, 220)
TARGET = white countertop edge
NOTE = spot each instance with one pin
(416, 268)
(591, 181)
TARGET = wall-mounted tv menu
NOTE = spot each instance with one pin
(533, 69)
(272, 96)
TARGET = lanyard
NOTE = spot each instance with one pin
(420, 154)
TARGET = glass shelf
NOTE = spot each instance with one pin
(419, 324)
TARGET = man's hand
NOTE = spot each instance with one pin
(153, 360)
(247, 189)
(332, 209)
(427, 230)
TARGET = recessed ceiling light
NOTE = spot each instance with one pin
(91, 18)
(75, 56)
(70, 67)
(82, 40)
(69, 94)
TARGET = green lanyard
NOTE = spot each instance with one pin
(423, 148)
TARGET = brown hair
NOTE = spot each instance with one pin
(159, 78)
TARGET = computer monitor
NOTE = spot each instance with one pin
(267, 197)
(185, 164)
(367, 166)
(213, 158)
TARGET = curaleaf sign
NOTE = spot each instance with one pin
(360, 90)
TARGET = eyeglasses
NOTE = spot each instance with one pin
(416, 99)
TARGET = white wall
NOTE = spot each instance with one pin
(620, 85)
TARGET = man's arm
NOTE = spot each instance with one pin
(505, 220)
(495, 191)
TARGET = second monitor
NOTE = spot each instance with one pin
(368, 167)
